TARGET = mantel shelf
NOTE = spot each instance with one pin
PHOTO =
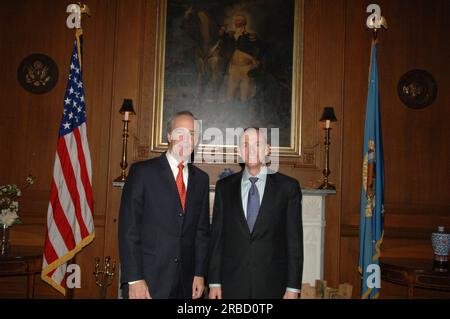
(318, 192)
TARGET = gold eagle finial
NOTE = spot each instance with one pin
(84, 9)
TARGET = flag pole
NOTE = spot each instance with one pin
(78, 34)
(84, 10)
(372, 188)
(375, 35)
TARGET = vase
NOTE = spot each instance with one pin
(441, 247)
(4, 237)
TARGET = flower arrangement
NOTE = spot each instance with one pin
(9, 205)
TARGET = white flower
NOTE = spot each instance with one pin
(9, 205)
(30, 180)
(14, 206)
(8, 218)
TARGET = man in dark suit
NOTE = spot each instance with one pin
(164, 221)
(256, 236)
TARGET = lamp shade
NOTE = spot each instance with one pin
(127, 106)
(328, 114)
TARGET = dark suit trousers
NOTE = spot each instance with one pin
(177, 291)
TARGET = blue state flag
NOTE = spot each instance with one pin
(372, 190)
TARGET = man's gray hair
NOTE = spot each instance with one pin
(174, 117)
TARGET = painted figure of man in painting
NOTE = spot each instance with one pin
(244, 51)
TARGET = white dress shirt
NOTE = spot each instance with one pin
(173, 163)
(246, 185)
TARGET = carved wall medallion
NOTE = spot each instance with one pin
(417, 89)
(37, 73)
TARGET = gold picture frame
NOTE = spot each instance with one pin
(292, 150)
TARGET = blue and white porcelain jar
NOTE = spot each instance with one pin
(441, 247)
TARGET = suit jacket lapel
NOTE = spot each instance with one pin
(190, 188)
(237, 196)
(268, 198)
(167, 177)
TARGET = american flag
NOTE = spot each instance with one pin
(70, 224)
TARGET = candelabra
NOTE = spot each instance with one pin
(327, 117)
(126, 109)
(103, 278)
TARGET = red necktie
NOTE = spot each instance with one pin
(180, 185)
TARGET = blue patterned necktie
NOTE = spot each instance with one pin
(252, 204)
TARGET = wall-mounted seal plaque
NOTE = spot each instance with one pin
(417, 89)
(37, 73)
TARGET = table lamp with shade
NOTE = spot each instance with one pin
(328, 116)
(127, 110)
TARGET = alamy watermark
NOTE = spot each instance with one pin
(373, 280)
(73, 279)
(229, 145)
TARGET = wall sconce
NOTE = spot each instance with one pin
(327, 117)
(127, 110)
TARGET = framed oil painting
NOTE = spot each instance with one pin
(233, 64)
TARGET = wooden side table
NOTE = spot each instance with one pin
(414, 273)
(22, 261)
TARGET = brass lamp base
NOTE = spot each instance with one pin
(326, 185)
(120, 181)
(326, 171)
